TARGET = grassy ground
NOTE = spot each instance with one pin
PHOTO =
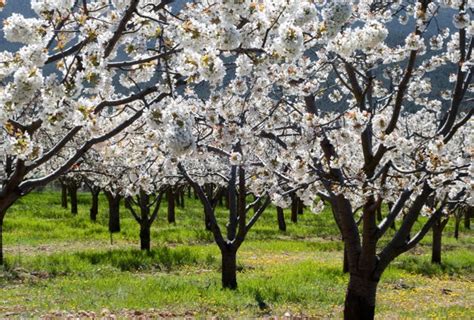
(59, 265)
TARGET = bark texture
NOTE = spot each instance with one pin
(229, 269)
(360, 299)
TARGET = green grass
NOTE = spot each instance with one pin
(58, 264)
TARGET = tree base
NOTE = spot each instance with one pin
(360, 299)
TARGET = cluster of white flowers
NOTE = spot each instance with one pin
(17, 28)
(290, 41)
(46, 6)
(366, 38)
(335, 15)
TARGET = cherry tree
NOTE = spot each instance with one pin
(132, 166)
(85, 68)
(375, 151)
(355, 116)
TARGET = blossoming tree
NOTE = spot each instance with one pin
(84, 67)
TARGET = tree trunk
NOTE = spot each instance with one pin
(114, 213)
(95, 206)
(171, 206)
(457, 222)
(63, 196)
(345, 262)
(1, 238)
(229, 269)
(467, 218)
(300, 206)
(207, 222)
(281, 219)
(436, 245)
(145, 236)
(73, 195)
(181, 198)
(379, 213)
(360, 299)
(294, 210)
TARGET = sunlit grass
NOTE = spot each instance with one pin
(56, 261)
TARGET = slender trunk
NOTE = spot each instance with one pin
(457, 222)
(294, 210)
(1, 238)
(73, 195)
(207, 222)
(171, 206)
(114, 213)
(300, 206)
(436, 244)
(229, 269)
(127, 205)
(177, 199)
(281, 219)
(360, 299)
(190, 192)
(95, 206)
(379, 213)
(467, 217)
(145, 236)
(63, 196)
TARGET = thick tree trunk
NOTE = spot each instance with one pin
(229, 269)
(467, 217)
(114, 213)
(63, 196)
(170, 196)
(145, 236)
(94, 206)
(360, 299)
(436, 244)
(73, 195)
(281, 219)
